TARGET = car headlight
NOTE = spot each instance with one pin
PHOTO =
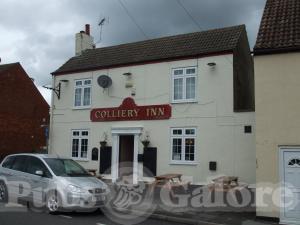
(74, 189)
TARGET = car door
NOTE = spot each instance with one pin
(39, 183)
(6, 172)
(16, 183)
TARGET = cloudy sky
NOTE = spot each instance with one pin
(40, 34)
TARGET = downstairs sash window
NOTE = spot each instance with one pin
(183, 144)
(80, 141)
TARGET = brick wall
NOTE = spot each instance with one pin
(22, 112)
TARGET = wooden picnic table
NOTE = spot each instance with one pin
(168, 177)
(168, 181)
(224, 183)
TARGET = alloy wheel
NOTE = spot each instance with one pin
(53, 203)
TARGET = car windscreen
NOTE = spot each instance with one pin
(8, 162)
(66, 168)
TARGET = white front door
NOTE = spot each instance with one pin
(290, 175)
(116, 133)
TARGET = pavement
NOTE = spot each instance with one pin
(194, 217)
(216, 218)
(171, 210)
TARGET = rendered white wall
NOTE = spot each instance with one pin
(277, 83)
(220, 131)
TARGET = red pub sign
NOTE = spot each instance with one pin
(128, 110)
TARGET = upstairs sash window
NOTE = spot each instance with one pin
(184, 84)
(83, 93)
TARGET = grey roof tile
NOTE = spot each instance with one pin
(166, 48)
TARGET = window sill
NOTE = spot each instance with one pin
(184, 163)
(81, 107)
(184, 102)
(80, 159)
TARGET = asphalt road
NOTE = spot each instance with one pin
(21, 216)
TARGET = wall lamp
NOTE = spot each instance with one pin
(57, 89)
(127, 74)
(211, 64)
(129, 83)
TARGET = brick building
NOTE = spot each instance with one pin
(23, 112)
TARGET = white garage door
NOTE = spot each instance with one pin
(290, 211)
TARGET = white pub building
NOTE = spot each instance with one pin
(181, 104)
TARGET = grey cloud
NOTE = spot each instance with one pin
(45, 30)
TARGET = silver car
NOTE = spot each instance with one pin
(50, 182)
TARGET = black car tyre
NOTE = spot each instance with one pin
(3, 193)
(32, 208)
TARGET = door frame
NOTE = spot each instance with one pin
(116, 132)
(283, 149)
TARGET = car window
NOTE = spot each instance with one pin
(19, 163)
(34, 164)
(8, 162)
(66, 168)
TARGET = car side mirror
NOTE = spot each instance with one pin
(39, 173)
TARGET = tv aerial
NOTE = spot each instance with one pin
(101, 23)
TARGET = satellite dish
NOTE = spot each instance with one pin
(104, 81)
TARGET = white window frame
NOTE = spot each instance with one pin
(80, 137)
(184, 76)
(183, 136)
(82, 87)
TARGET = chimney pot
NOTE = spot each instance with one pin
(87, 29)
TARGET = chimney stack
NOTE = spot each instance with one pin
(84, 41)
(87, 29)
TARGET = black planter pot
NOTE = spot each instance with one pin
(146, 143)
(103, 144)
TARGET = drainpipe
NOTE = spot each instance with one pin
(49, 147)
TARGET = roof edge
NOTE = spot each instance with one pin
(269, 51)
(225, 52)
(8, 66)
(18, 65)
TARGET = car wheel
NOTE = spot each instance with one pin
(32, 208)
(53, 202)
(3, 192)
